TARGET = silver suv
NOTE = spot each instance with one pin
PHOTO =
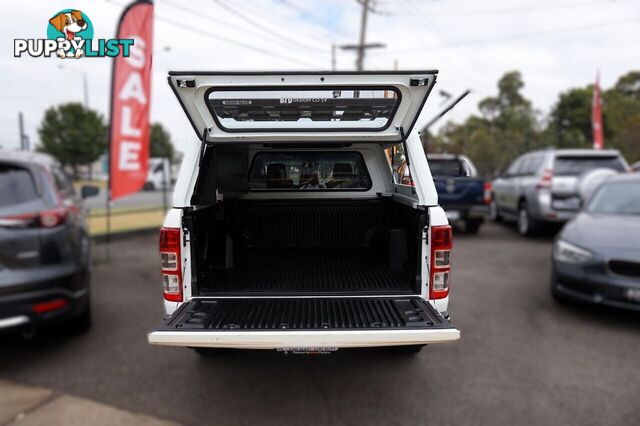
(541, 187)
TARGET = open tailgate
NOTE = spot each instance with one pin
(280, 323)
(313, 106)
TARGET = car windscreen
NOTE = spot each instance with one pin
(17, 185)
(616, 198)
(447, 167)
(574, 166)
(308, 171)
(329, 109)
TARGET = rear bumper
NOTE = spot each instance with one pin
(593, 287)
(543, 212)
(302, 339)
(16, 309)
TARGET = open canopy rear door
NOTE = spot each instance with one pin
(312, 106)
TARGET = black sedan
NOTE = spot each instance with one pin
(596, 257)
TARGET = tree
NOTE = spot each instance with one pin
(507, 128)
(569, 124)
(73, 134)
(161, 145)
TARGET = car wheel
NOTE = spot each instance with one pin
(149, 186)
(406, 349)
(472, 226)
(494, 214)
(526, 225)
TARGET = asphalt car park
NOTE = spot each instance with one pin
(522, 358)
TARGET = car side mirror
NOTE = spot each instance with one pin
(89, 191)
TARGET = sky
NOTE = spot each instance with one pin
(555, 44)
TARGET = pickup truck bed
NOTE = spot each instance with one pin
(315, 247)
(342, 270)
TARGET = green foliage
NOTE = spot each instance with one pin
(569, 123)
(161, 145)
(508, 125)
(73, 134)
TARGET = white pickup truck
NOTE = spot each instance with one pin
(289, 229)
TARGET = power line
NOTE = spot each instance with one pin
(308, 33)
(267, 30)
(521, 9)
(219, 37)
(302, 10)
(199, 14)
(513, 36)
(362, 46)
(419, 16)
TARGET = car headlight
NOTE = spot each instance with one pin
(569, 253)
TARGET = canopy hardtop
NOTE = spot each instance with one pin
(376, 106)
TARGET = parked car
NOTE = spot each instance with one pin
(159, 174)
(288, 230)
(635, 167)
(596, 257)
(461, 193)
(541, 187)
(45, 266)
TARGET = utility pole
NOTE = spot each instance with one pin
(24, 139)
(362, 46)
(363, 34)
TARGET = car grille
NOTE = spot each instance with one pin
(625, 267)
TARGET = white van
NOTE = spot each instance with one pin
(159, 174)
(288, 230)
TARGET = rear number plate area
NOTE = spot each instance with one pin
(632, 294)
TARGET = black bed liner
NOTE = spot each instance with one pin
(304, 314)
(311, 271)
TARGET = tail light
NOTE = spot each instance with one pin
(545, 179)
(486, 199)
(51, 305)
(170, 264)
(43, 219)
(441, 244)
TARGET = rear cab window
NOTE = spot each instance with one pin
(309, 171)
(575, 165)
(447, 167)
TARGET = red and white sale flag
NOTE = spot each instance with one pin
(130, 102)
(596, 116)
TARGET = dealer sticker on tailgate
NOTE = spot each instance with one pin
(308, 351)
